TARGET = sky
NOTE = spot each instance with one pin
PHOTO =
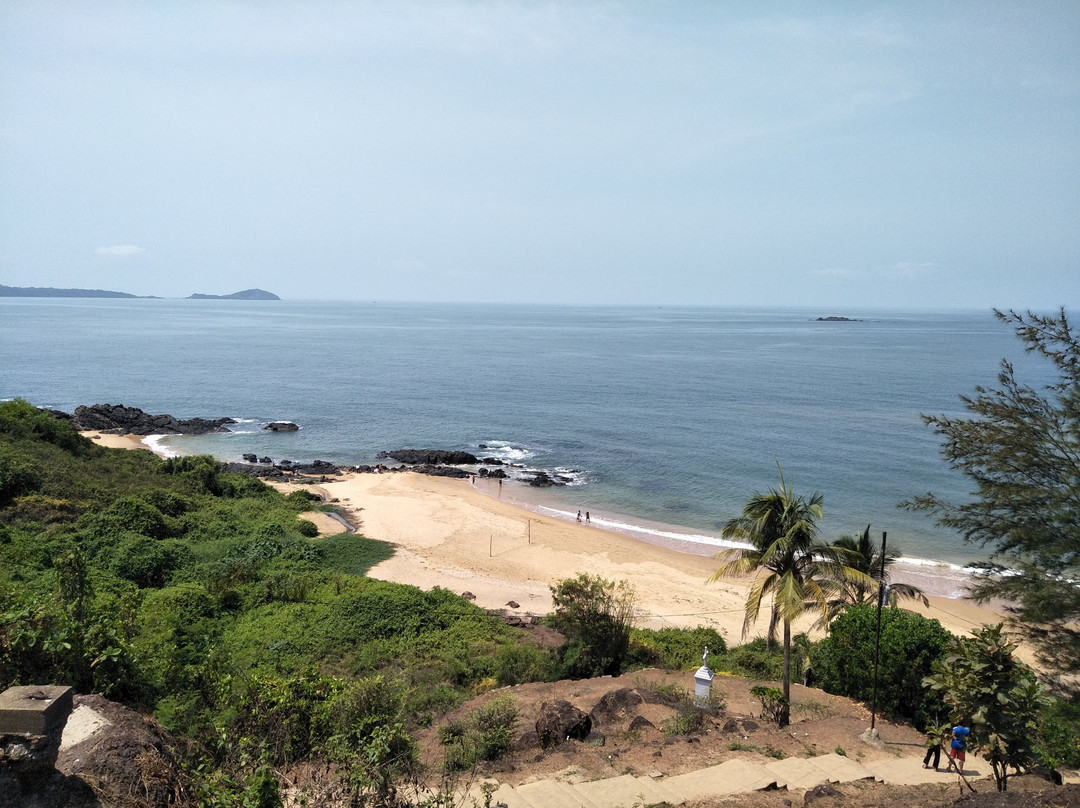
(846, 155)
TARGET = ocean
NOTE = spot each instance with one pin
(664, 419)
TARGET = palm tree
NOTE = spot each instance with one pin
(858, 552)
(801, 572)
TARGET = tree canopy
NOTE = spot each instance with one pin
(1021, 448)
(993, 694)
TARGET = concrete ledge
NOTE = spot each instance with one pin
(34, 710)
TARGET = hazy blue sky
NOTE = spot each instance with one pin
(845, 154)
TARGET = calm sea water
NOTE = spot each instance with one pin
(666, 419)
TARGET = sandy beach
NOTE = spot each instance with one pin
(452, 534)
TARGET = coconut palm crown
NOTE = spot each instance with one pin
(860, 553)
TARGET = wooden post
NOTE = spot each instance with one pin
(491, 539)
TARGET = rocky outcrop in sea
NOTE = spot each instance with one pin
(120, 420)
(430, 457)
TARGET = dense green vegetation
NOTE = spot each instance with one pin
(198, 596)
(843, 662)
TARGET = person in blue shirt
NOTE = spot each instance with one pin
(959, 746)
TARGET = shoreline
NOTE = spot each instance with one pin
(466, 538)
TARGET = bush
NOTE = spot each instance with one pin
(18, 475)
(672, 648)
(484, 734)
(594, 615)
(774, 706)
(20, 419)
(132, 514)
(843, 662)
(756, 660)
(519, 664)
(1058, 743)
(147, 562)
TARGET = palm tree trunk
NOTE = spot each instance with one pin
(785, 714)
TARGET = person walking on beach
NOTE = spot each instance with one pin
(579, 516)
(935, 737)
(586, 517)
(959, 746)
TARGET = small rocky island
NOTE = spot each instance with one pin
(835, 319)
(247, 294)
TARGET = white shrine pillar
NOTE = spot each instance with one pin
(703, 679)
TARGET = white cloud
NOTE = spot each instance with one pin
(120, 251)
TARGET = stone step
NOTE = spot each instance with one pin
(505, 794)
(729, 777)
(808, 772)
(553, 794)
(625, 790)
(841, 768)
(656, 791)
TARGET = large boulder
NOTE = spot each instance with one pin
(561, 721)
(282, 426)
(431, 457)
(616, 705)
(442, 471)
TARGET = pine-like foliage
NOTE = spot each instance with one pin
(1021, 449)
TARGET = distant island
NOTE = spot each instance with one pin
(835, 319)
(247, 294)
(37, 291)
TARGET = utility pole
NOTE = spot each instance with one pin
(877, 634)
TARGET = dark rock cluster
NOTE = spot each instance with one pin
(430, 457)
(542, 479)
(121, 420)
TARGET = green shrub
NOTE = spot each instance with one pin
(594, 615)
(20, 419)
(301, 498)
(483, 734)
(307, 528)
(18, 475)
(774, 706)
(1058, 743)
(169, 503)
(519, 664)
(131, 514)
(843, 662)
(288, 586)
(672, 648)
(756, 660)
(147, 562)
